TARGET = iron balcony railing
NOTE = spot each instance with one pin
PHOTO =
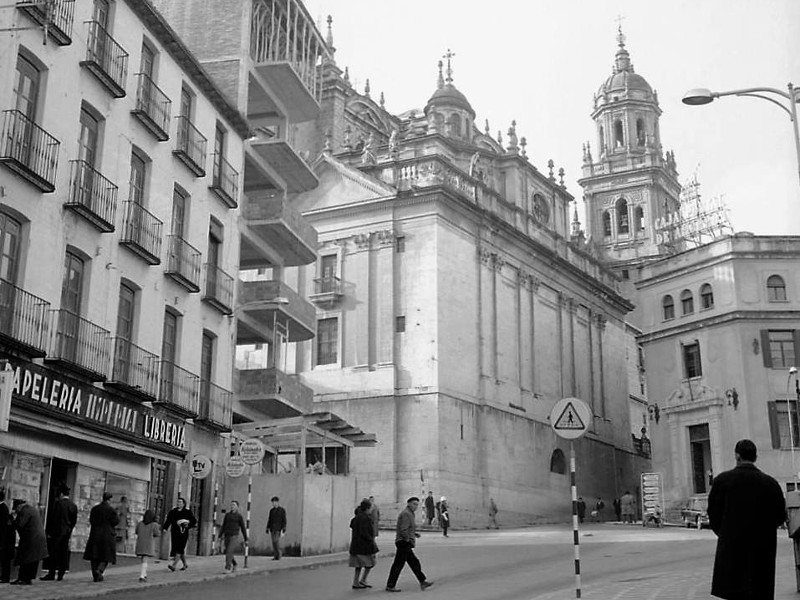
(134, 367)
(152, 107)
(215, 404)
(141, 232)
(56, 14)
(225, 181)
(23, 318)
(106, 59)
(219, 289)
(178, 388)
(80, 343)
(29, 150)
(328, 285)
(183, 262)
(92, 196)
(190, 147)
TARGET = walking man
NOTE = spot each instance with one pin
(628, 504)
(8, 538)
(101, 547)
(430, 507)
(581, 509)
(745, 509)
(232, 525)
(405, 540)
(61, 520)
(276, 526)
(32, 541)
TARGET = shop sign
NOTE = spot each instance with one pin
(200, 466)
(72, 401)
(235, 466)
(252, 451)
(652, 493)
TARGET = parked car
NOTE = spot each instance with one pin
(695, 513)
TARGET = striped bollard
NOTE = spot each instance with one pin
(214, 519)
(247, 523)
(575, 530)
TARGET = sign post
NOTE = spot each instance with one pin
(252, 452)
(570, 418)
(652, 497)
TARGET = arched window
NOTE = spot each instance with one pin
(639, 218)
(622, 216)
(776, 289)
(687, 302)
(706, 296)
(640, 133)
(669, 307)
(619, 137)
(557, 462)
(607, 224)
(455, 125)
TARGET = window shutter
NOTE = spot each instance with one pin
(766, 353)
(796, 336)
(772, 413)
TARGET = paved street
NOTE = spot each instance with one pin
(618, 563)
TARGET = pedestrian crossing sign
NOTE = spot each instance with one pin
(570, 418)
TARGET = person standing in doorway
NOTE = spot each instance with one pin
(232, 526)
(492, 515)
(147, 531)
(745, 509)
(101, 547)
(32, 541)
(405, 540)
(276, 526)
(61, 520)
(179, 521)
(430, 507)
(8, 539)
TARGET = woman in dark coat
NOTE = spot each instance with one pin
(101, 547)
(32, 541)
(362, 544)
(179, 521)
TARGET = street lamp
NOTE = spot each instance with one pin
(700, 96)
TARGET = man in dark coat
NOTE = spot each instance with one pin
(61, 520)
(430, 507)
(32, 541)
(101, 547)
(745, 509)
(8, 538)
(276, 526)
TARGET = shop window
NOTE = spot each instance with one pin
(776, 289)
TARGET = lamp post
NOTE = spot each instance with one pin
(700, 96)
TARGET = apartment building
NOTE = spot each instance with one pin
(120, 182)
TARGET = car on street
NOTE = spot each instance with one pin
(695, 513)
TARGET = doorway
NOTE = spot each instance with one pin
(700, 447)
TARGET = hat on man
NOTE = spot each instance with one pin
(107, 496)
(17, 502)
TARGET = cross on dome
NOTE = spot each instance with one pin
(448, 56)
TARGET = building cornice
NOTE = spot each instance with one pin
(719, 320)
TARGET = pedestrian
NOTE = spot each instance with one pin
(101, 547)
(617, 504)
(430, 507)
(628, 503)
(8, 538)
(147, 531)
(32, 541)
(61, 520)
(405, 540)
(362, 545)
(597, 513)
(232, 526)
(374, 514)
(492, 515)
(444, 515)
(179, 521)
(745, 509)
(276, 526)
(581, 509)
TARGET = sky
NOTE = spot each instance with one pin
(540, 63)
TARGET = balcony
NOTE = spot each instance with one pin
(152, 107)
(133, 369)
(79, 344)
(183, 263)
(29, 150)
(219, 289)
(23, 319)
(286, 48)
(190, 147)
(225, 181)
(274, 393)
(327, 291)
(272, 220)
(295, 174)
(92, 196)
(265, 304)
(178, 389)
(215, 406)
(57, 14)
(141, 233)
(106, 60)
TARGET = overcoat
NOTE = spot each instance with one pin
(745, 509)
(179, 535)
(146, 535)
(362, 540)
(32, 541)
(102, 543)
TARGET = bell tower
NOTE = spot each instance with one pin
(631, 183)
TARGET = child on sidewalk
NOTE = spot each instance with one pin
(147, 530)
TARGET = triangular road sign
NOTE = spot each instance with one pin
(569, 419)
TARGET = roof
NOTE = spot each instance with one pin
(448, 95)
(322, 428)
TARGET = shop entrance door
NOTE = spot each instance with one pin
(62, 472)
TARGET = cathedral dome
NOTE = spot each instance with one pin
(448, 96)
(623, 79)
